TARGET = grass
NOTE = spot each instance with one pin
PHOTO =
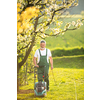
(69, 39)
(68, 70)
(69, 76)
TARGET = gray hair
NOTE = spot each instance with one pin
(43, 41)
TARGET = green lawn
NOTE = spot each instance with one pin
(69, 76)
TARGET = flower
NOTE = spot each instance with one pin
(42, 29)
(63, 33)
(75, 4)
(78, 21)
(48, 11)
(73, 23)
(68, 25)
(29, 13)
(59, 23)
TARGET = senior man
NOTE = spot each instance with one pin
(42, 56)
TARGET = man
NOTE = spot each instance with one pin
(43, 54)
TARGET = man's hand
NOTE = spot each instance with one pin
(37, 66)
(34, 60)
(51, 67)
(51, 61)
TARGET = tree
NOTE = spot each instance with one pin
(34, 19)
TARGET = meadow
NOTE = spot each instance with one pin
(69, 80)
(68, 68)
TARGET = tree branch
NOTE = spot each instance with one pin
(59, 32)
(38, 2)
(23, 47)
(31, 5)
(40, 36)
(54, 14)
(32, 44)
(27, 52)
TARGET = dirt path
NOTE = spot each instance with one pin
(25, 91)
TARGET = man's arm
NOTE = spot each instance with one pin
(51, 62)
(34, 60)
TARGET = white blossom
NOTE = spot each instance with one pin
(42, 29)
(81, 23)
(76, 25)
(78, 21)
(25, 36)
(47, 10)
(59, 23)
(62, 33)
(69, 24)
(56, 30)
(43, 35)
(48, 19)
(54, 6)
(73, 23)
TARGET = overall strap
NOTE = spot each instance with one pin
(39, 52)
(46, 52)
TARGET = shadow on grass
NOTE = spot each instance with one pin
(25, 91)
(26, 94)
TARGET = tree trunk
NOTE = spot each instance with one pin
(31, 46)
(23, 61)
(27, 53)
(17, 77)
(25, 69)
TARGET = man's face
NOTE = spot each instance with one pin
(42, 45)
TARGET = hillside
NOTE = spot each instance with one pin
(77, 9)
(69, 39)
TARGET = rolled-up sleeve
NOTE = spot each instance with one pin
(36, 54)
(49, 52)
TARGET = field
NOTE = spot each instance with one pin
(69, 80)
(68, 70)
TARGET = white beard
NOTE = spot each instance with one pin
(42, 48)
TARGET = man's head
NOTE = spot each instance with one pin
(42, 44)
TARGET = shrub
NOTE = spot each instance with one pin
(67, 51)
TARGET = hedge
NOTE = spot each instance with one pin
(67, 51)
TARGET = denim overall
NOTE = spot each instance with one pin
(43, 71)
